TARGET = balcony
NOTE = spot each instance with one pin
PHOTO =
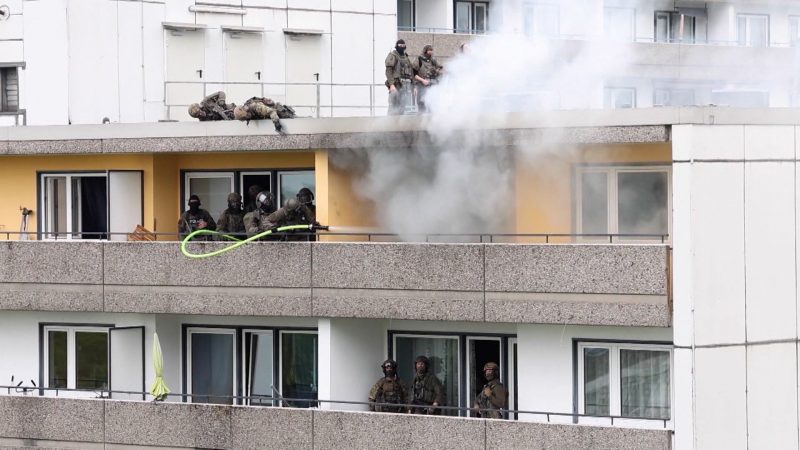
(588, 284)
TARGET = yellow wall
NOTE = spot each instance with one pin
(18, 181)
(544, 184)
(338, 205)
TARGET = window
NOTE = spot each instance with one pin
(540, 20)
(794, 30)
(672, 26)
(75, 206)
(471, 17)
(405, 15)
(75, 357)
(624, 200)
(291, 182)
(216, 373)
(625, 380)
(212, 188)
(673, 97)
(9, 89)
(461, 383)
(618, 24)
(752, 30)
(740, 98)
(619, 98)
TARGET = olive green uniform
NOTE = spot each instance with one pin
(429, 69)
(215, 107)
(283, 217)
(426, 390)
(256, 222)
(493, 398)
(388, 390)
(190, 221)
(399, 74)
(231, 221)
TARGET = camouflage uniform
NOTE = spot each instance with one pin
(258, 108)
(388, 390)
(190, 221)
(494, 398)
(300, 215)
(429, 69)
(426, 390)
(231, 221)
(213, 107)
(399, 74)
(256, 222)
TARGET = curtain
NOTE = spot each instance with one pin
(644, 379)
(596, 384)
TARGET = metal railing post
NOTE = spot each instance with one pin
(316, 76)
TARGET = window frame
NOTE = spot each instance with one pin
(413, 26)
(5, 105)
(615, 373)
(611, 172)
(608, 96)
(671, 91)
(671, 39)
(748, 17)
(472, 14)
(72, 367)
(279, 355)
(188, 372)
(43, 226)
(240, 355)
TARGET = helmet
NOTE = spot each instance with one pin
(240, 113)
(491, 366)
(389, 362)
(233, 197)
(265, 200)
(194, 110)
(292, 204)
(305, 196)
(423, 359)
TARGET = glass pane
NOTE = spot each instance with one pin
(794, 30)
(480, 18)
(481, 352)
(741, 30)
(260, 368)
(292, 182)
(758, 31)
(443, 355)
(57, 359)
(662, 27)
(56, 204)
(642, 198)
(89, 207)
(688, 29)
(594, 203)
(596, 381)
(645, 382)
(405, 17)
(213, 193)
(212, 368)
(299, 368)
(463, 20)
(252, 184)
(91, 360)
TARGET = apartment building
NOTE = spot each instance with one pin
(637, 291)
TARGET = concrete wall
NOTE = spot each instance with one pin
(211, 426)
(576, 284)
(735, 286)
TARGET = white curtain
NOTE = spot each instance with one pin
(644, 380)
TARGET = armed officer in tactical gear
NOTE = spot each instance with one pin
(399, 73)
(257, 108)
(293, 213)
(231, 221)
(257, 221)
(388, 389)
(426, 389)
(195, 219)
(493, 398)
(426, 74)
(213, 107)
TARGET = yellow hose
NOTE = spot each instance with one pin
(238, 242)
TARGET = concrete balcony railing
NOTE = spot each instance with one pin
(70, 423)
(594, 284)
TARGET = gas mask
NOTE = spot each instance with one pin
(401, 49)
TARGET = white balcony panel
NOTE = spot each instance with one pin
(720, 398)
(346, 44)
(352, 5)
(772, 396)
(12, 27)
(768, 142)
(131, 73)
(184, 93)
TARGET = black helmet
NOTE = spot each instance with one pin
(292, 205)
(265, 200)
(389, 362)
(305, 196)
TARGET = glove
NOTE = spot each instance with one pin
(278, 126)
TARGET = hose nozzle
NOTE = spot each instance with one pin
(320, 227)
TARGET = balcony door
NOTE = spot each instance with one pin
(212, 188)
(211, 360)
(471, 17)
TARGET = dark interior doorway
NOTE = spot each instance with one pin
(481, 352)
(262, 180)
(93, 205)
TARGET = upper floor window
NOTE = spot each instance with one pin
(405, 15)
(672, 26)
(618, 24)
(9, 89)
(628, 200)
(752, 30)
(75, 357)
(794, 30)
(628, 380)
(673, 97)
(619, 98)
(740, 98)
(540, 20)
(471, 17)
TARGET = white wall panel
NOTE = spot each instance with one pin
(214, 64)
(351, 378)
(324, 5)
(769, 142)
(11, 51)
(153, 37)
(682, 255)
(770, 251)
(131, 75)
(352, 54)
(46, 57)
(718, 142)
(352, 5)
(178, 11)
(350, 96)
(93, 69)
(718, 241)
(683, 395)
(720, 403)
(772, 396)
(11, 28)
(309, 20)
(264, 18)
(265, 3)
(214, 20)
(385, 35)
(386, 7)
